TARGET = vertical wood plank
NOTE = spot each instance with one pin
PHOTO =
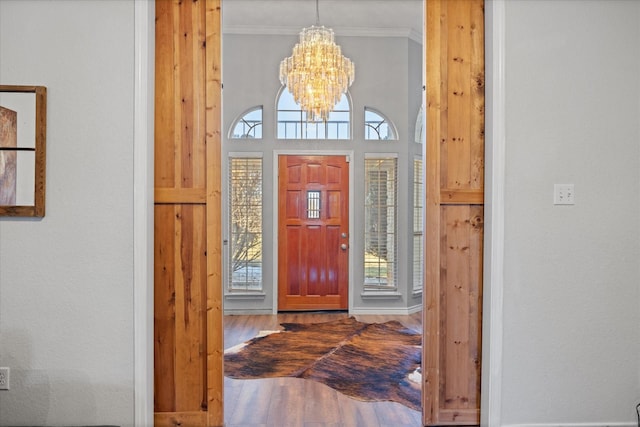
(475, 303)
(443, 334)
(182, 365)
(199, 95)
(164, 95)
(187, 113)
(441, 62)
(164, 309)
(455, 229)
(477, 94)
(458, 94)
(213, 125)
(431, 316)
(201, 297)
(190, 308)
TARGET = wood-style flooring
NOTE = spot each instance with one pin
(294, 402)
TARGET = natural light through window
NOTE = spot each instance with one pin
(292, 121)
(380, 223)
(245, 223)
(418, 221)
(249, 125)
(377, 126)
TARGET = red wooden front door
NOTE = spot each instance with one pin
(313, 232)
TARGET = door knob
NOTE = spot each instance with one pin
(343, 246)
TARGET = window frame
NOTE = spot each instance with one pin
(230, 288)
(385, 120)
(301, 123)
(241, 118)
(379, 287)
(418, 226)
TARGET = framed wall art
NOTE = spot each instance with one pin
(23, 116)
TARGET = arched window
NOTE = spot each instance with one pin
(292, 121)
(377, 126)
(248, 125)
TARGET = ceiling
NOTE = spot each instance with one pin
(345, 17)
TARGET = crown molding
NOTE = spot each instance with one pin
(345, 32)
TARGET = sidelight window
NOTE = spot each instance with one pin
(245, 223)
(418, 226)
(380, 235)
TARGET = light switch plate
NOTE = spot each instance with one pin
(4, 378)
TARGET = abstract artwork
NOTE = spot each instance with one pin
(8, 158)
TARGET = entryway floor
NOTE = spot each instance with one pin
(295, 402)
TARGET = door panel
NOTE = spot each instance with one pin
(187, 303)
(313, 226)
(454, 211)
(180, 302)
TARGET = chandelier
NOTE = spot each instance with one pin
(317, 74)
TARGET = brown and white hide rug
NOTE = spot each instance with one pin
(367, 361)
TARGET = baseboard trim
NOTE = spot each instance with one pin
(246, 296)
(387, 311)
(245, 312)
(362, 310)
(602, 424)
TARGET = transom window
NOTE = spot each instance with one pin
(377, 126)
(293, 124)
(248, 126)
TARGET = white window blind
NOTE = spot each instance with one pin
(245, 223)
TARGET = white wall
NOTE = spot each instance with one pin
(572, 273)
(66, 281)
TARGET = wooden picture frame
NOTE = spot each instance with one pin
(23, 130)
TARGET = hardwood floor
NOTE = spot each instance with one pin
(294, 402)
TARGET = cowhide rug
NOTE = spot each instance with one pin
(367, 361)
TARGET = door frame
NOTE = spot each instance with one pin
(143, 211)
(143, 145)
(276, 155)
(494, 214)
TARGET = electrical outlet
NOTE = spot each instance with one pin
(4, 378)
(563, 194)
